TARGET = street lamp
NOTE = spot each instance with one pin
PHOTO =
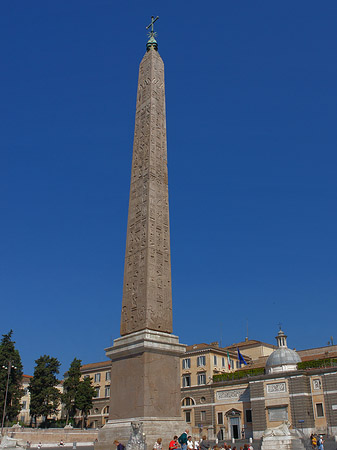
(9, 368)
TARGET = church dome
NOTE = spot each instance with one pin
(283, 358)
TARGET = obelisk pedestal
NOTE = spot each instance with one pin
(145, 367)
(145, 375)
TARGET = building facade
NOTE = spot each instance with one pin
(100, 374)
(24, 416)
(285, 389)
(232, 408)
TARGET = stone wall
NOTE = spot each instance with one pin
(51, 435)
(301, 402)
(258, 408)
(330, 399)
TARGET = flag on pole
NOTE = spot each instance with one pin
(241, 358)
(228, 361)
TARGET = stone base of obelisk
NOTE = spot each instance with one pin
(145, 387)
(153, 428)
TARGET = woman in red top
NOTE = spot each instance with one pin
(174, 443)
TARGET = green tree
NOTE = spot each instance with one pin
(10, 356)
(70, 388)
(44, 395)
(84, 396)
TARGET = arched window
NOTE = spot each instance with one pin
(106, 410)
(188, 401)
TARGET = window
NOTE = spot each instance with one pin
(86, 376)
(220, 418)
(319, 410)
(97, 377)
(25, 391)
(215, 360)
(107, 391)
(202, 378)
(223, 362)
(237, 364)
(188, 401)
(186, 380)
(202, 416)
(106, 410)
(248, 415)
(187, 416)
(201, 361)
(107, 376)
(24, 405)
(97, 392)
(187, 363)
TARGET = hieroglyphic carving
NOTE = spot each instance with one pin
(147, 298)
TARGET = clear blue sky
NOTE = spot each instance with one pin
(251, 98)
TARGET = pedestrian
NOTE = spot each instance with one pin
(204, 444)
(320, 443)
(174, 443)
(190, 445)
(157, 444)
(182, 439)
(119, 445)
(313, 441)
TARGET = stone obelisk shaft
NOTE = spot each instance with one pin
(145, 360)
(147, 295)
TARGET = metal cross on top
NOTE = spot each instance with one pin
(151, 24)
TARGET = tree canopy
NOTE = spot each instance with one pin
(10, 364)
(70, 388)
(44, 395)
(84, 396)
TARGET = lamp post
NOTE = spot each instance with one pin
(9, 368)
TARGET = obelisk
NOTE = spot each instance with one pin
(145, 377)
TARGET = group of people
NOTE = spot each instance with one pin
(185, 442)
(317, 442)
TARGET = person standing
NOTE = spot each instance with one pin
(320, 443)
(182, 439)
